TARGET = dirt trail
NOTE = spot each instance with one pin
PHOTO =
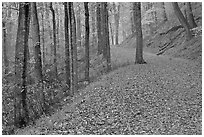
(128, 54)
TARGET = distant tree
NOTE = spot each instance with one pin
(111, 33)
(103, 29)
(190, 16)
(21, 117)
(132, 22)
(54, 39)
(74, 75)
(37, 57)
(78, 20)
(98, 12)
(116, 10)
(47, 20)
(139, 38)
(58, 25)
(92, 10)
(67, 52)
(182, 20)
(86, 41)
(164, 12)
(43, 35)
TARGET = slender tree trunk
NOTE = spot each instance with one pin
(111, 33)
(164, 12)
(98, 11)
(117, 19)
(74, 81)
(182, 20)
(86, 41)
(37, 56)
(107, 44)
(139, 38)
(58, 27)
(5, 57)
(54, 40)
(43, 38)
(132, 23)
(190, 16)
(103, 29)
(79, 26)
(93, 25)
(67, 52)
(21, 117)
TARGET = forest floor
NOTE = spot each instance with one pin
(163, 96)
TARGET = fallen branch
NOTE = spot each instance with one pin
(163, 49)
(172, 29)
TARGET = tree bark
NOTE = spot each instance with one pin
(79, 26)
(108, 56)
(98, 11)
(103, 30)
(182, 20)
(54, 40)
(74, 81)
(132, 23)
(117, 19)
(58, 28)
(86, 41)
(21, 117)
(139, 37)
(190, 16)
(37, 57)
(43, 38)
(93, 23)
(67, 52)
(111, 33)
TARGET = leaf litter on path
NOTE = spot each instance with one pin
(161, 97)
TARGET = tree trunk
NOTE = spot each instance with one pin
(124, 35)
(117, 19)
(86, 41)
(111, 33)
(54, 39)
(43, 38)
(21, 117)
(6, 61)
(164, 12)
(182, 20)
(139, 38)
(98, 11)
(37, 57)
(107, 42)
(103, 29)
(132, 23)
(67, 52)
(93, 23)
(190, 16)
(74, 81)
(79, 26)
(58, 27)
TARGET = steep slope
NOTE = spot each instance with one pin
(169, 38)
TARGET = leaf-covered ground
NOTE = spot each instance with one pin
(163, 96)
